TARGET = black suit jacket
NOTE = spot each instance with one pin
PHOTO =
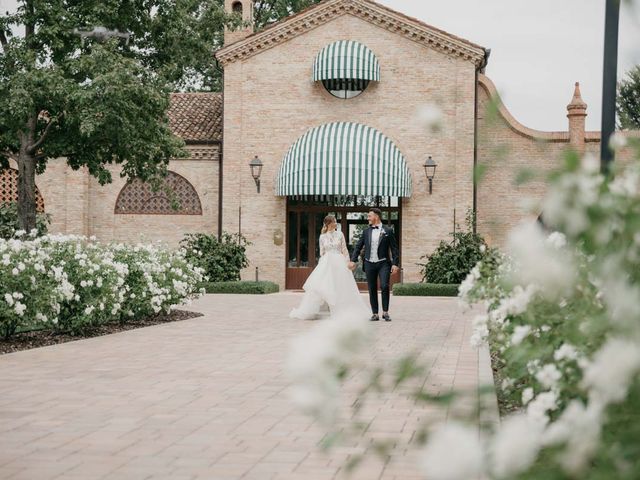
(387, 246)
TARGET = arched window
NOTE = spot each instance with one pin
(236, 7)
(9, 189)
(175, 197)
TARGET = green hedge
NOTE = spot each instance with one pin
(242, 287)
(426, 289)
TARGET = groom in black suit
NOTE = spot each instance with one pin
(381, 259)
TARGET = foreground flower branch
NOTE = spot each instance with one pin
(562, 318)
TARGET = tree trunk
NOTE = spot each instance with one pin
(26, 189)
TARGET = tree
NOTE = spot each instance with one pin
(270, 11)
(102, 103)
(628, 104)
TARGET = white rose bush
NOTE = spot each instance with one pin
(73, 284)
(559, 307)
(563, 324)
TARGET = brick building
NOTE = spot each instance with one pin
(327, 100)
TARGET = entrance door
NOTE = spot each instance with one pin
(304, 224)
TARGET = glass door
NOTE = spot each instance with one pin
(304, 224)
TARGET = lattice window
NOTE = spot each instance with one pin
(9, 189)
(138, 197)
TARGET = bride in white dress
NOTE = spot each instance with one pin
(331, 281)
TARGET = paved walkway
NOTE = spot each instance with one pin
(206, 398)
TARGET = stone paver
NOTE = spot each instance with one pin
(207, 398)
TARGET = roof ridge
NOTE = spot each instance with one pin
(370, 11)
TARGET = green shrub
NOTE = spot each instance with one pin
(222, 260)
(452, 261)
(242, 287)
(425, 289)
(10, 224)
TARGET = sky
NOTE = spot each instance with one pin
(539, 49)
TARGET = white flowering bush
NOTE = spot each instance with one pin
(563, 321)
(74, 284)
(562, 317)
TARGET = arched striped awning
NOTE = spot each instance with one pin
(343, 158)
(346, 60)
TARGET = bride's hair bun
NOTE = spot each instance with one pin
(328, 220)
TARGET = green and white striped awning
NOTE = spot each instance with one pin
(346, 60)
(343, 158)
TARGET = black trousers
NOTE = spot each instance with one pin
(374, 271)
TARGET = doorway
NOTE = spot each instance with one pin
(304, 224)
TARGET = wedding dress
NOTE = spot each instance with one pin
(331, 282)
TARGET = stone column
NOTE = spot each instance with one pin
(576, 113)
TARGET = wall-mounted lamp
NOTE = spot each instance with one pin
(256, 170)
(430, 171)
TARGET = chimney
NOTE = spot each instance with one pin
(576, 113)
(244, 8)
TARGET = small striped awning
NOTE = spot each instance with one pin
(346, 60)
(343, 158)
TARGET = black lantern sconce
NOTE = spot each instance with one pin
(430, 171)
(256, 170)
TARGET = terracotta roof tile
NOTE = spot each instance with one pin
(196, 117)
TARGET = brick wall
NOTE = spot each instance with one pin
(506, 148)
(271, 100)
(78, 204)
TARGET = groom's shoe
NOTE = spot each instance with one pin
(386, 317)
(374, 317)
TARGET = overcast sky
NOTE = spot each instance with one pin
(539, 49)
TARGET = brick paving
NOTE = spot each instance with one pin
(207, 398)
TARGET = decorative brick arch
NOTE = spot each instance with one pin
(138, 197)
(9, 189)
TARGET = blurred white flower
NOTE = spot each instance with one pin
(591, 163)
(507, 383)
(566, 202)
(429, 117)
(612, 369)
(538, 407)
(515, 304)
(579, 428)
(627, 184)
(538, 263)
(566, 351)
(453, 452)
(527, 395)
(520, 332)
(617, 141)
(316, 357)
(479, 336)
(548, 375)
(468, 283)
(515, 445)
(557, 240)
(533, 366)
